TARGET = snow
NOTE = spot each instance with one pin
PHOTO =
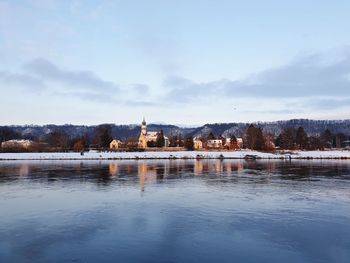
(94, 155)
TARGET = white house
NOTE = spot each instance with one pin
(11, 144)
(215, 143)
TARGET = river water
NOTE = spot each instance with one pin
(175, 211)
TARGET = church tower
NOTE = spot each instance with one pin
(144, 127)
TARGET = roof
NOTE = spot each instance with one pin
(151, 135)
(23, 142)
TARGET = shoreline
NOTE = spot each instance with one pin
(184, 155)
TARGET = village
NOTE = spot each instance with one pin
(157, 141)
(145, 139)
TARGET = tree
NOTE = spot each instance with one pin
(327, 139)
(59, 140)
(260, 143)
(103, 135)
(278, 141)
(189, 143)
(172, 140)
(160, 139)
(288, 136)
(268, 142)
(223, 139)
(152, 144)
(7, 133)
(254, 138)
(301, 138)
(314, 143)
(78, 146)
(132, 144)
(338, 139)
(80, 142)
(233, 142)
(180, 141)
(211, 136)
(250, 137)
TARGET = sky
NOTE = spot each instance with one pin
(180, 62)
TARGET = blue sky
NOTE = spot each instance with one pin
(181, 62)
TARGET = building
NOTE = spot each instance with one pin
(197, 144)
(149, 136)
(214, 143)
(115, 144)
(17, 144)
(237, 145)
(239, 142)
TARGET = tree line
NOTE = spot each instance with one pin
(292, 139)
(60, 140)
(254, 138)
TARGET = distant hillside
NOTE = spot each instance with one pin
(312, 127)
(123, 132)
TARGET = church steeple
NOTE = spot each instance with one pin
(143, 127)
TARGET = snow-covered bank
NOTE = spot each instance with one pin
(174, 155)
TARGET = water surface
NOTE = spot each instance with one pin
(175, 211)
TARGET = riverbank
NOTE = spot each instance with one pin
(94, 155)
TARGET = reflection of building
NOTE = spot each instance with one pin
(146, 173)
(149, 136)
(216, 166)
(113, 168)
(115, 144)
(24, 169)
(198, 167)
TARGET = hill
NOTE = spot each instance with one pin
(123, 132)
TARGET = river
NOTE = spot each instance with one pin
(175, 211)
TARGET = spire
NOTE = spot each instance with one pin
(143, 122)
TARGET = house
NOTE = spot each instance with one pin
(197, 144)
(149, 136)
(214, 143)
(239, 142)
(237, 145)
(115, 144)
(17, 144)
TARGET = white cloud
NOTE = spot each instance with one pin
(307, 77)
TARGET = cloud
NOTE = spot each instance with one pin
(22, 80)
(90, 96)
(141, 103)
(184, 90)
(278, 112)
(85, 85)
(315, 75)
(140, 88)
(80, 80)
(327, 103)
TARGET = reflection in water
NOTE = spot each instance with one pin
(24, 169)
(113, 168)
(189, 211)
(216, 166)
(146, 173)
(149, 171)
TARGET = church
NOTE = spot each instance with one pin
(149, 136)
